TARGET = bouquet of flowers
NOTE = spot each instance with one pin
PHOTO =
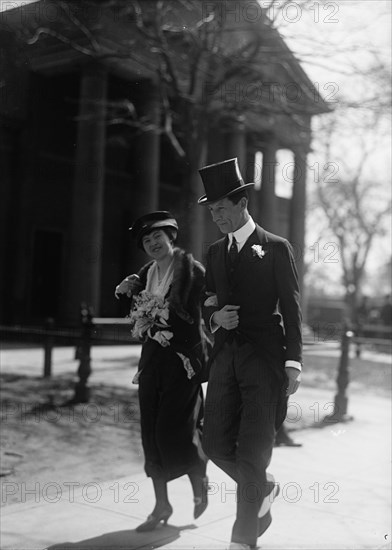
(149, 317)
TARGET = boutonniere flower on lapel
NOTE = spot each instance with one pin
(257, 250)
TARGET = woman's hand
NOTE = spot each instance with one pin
(130, 285)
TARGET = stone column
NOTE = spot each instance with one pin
(249, 176)
(148, 151)
(197, 214)
(236, 144)
(267, 204)
(298, 211)
(84, 273)
(145, 187)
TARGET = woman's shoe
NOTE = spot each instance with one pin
(156, 517)
(201, 502)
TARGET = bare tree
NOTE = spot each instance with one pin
(198, 54)
(356, 206)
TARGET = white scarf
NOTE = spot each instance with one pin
(153, 285)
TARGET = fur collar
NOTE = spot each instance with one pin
(188, 278)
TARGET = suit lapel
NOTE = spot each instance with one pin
(257, 237)
(261, 235)
(222, 257)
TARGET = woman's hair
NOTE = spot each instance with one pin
(171, 233)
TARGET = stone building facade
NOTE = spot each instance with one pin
(72, 182)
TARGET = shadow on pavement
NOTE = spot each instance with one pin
(126, 540)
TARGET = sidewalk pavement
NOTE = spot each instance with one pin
(335, 491)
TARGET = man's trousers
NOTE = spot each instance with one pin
(239, 428)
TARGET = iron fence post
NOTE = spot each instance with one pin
(82, 391)
(48, 346)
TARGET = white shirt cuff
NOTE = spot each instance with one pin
(213, 326)
(294, 364)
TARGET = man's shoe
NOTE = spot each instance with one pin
(284, 440)
(264, 515)
(239, 546)
(201, 500)
(264, 523)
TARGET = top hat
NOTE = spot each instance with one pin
(221, 180)
(154, 220)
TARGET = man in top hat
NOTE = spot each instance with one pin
(252, 306)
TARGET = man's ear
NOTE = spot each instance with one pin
(244, 203)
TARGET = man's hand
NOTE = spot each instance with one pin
(294, 376)
(130, 285)
(227, 317)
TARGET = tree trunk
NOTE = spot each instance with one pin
(352, 299)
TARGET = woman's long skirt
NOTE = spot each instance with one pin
(171, 409)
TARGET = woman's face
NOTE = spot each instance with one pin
(157, 244)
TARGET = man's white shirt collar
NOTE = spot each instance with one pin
(243, 233)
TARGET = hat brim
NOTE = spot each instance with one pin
(158, 224)
(204, 199)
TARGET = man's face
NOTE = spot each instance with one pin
(227, 216)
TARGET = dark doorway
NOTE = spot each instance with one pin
(47, 271)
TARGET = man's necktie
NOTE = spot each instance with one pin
(233, 251)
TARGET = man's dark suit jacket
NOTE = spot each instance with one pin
(267, 290)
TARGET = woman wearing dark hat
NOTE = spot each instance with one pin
(166, 316)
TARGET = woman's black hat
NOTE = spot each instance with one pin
(221, 180)
(154, 220)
